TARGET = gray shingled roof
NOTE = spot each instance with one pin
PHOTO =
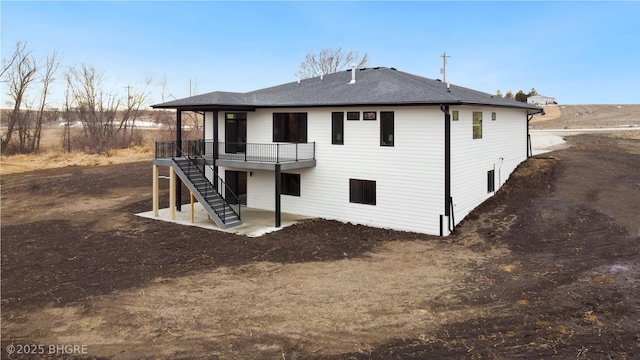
(373, 86)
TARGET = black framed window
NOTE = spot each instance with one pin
(491, 181)
(290, 127)
(386, 128)
(290, 184)
(362, 191)
(369, 115)
(337, 128)
(353, 115)
(455, 115)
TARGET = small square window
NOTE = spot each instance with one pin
(353, 115)
(362, 191)
(290, 184)
(369, 115)
(455, 116)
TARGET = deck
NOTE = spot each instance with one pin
(240, 155)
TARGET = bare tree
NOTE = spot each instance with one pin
(50, 67)
(329, 61)
(22, 72)
(108, 121)
(6, 64)
(19, 75)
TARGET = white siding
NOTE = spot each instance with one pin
(502, 148)
(208, 125)
(409, 176)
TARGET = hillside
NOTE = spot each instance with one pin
(587, 117)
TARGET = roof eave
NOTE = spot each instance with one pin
(206, 107)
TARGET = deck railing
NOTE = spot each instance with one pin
(268, 153)
(193, 150)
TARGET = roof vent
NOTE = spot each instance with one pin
(353, 74)
(448, 87)
(393, 68)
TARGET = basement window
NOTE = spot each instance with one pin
(362, 191)
(491, 181)
(290, 184)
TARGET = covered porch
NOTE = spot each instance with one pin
(209, 155)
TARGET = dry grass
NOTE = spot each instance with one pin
(55, 159)
(52, 154)
(588, 117)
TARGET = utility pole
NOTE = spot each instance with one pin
(443, 71)
(128, 87)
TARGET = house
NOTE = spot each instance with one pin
(372, 146)
(541, 100)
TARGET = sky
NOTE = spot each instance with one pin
(577, 52)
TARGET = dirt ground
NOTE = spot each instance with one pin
(547, 268)
(587, 117)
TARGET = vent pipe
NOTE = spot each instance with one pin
(353, 73)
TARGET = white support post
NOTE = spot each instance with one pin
(192, 207)
(172, 193)
(156, 191)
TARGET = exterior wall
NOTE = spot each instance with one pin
(502, 148)
(208, 135)
(208, 125)
(409, 176)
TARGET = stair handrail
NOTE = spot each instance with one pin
(198, 153)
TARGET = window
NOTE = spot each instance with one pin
(386, 128)
(353, 115)
(491, 182)
(477, 125)
(337, 128)
(290, 184)
(362, 191)
(493, 116)
(290, 127)
(455, 116)
(369, 115)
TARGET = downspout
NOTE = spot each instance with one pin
(278, 191)
(529, 117)
(447, 166)
(529, 151)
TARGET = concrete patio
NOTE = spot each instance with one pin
(255, 222)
